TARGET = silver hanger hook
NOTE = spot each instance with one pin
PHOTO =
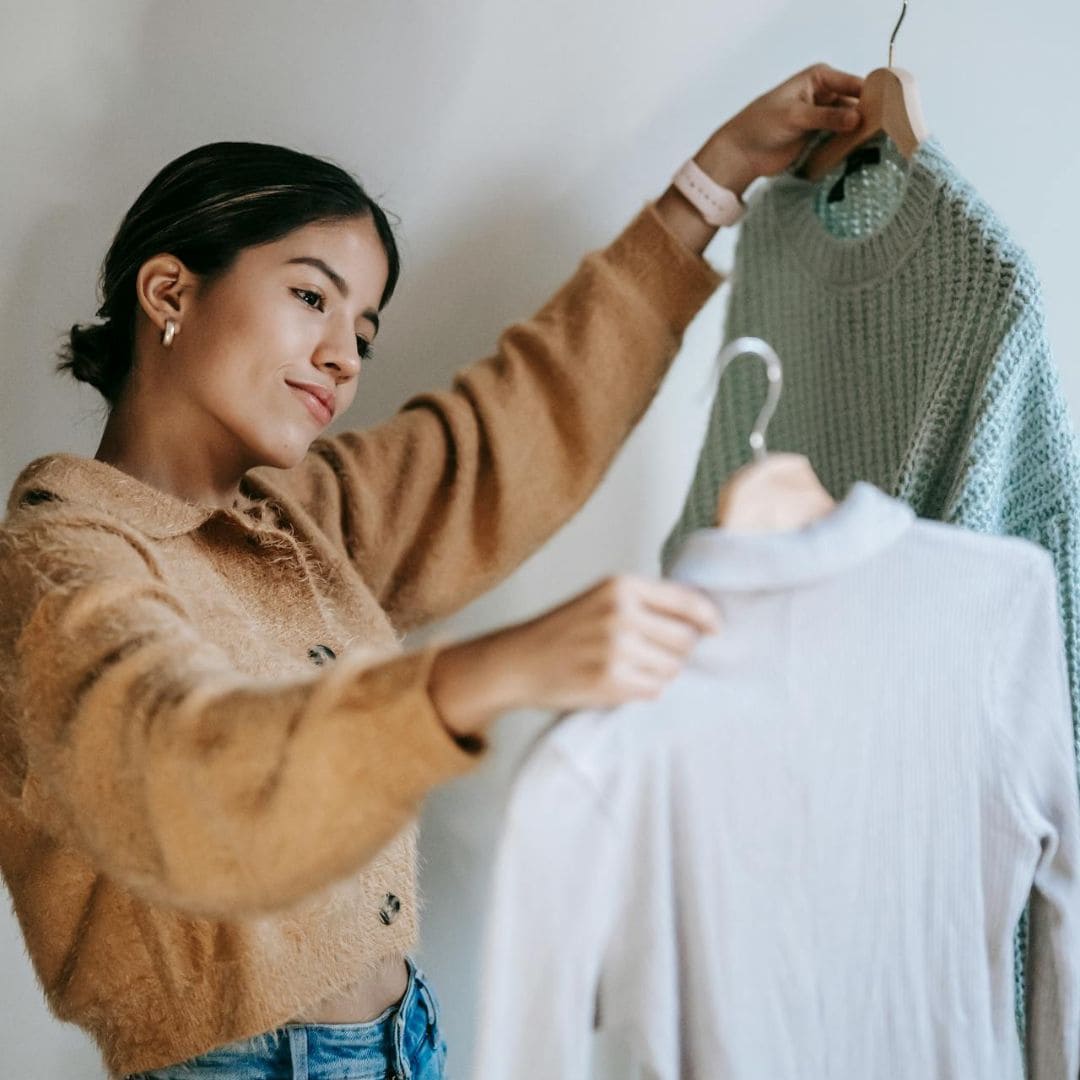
(774, 372)
(896, 30)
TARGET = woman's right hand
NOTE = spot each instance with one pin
(622, 640)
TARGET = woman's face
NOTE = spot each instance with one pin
(287, 325)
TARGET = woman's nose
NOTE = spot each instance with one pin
(339, 362)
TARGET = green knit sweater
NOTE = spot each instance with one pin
(915, 357)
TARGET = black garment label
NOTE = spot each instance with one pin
(856, 160)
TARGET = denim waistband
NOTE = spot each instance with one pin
(400, 1043)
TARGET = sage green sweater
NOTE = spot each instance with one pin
(915, 357)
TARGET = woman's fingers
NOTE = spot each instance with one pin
(839, 99)
(655, 665)
(826, 118)
(827, 80)
(676, 601)
(675, 636)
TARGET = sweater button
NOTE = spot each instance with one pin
(390, 908)
(319, 654)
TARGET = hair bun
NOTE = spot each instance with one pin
(89, 356)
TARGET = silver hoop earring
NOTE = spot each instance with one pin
(169, 334)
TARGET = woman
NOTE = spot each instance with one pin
(213, 747)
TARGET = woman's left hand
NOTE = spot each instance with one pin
(765, 138)
(772, 131)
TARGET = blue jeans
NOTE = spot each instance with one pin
(404, 1043)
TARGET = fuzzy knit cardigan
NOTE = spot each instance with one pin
(212, 747)
(916, 358)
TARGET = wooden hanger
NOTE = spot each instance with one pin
(774, 492)
(889, 104)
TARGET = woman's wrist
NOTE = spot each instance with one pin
(723, 161)
(472, 683)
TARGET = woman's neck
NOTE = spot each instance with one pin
(168, 454)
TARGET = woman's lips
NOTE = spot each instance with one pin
(314, 405)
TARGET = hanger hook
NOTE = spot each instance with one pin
(896, 30)
(774, 372)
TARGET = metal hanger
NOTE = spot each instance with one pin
(774, 372)
(889, 103)
(775, 491)
(896, 30)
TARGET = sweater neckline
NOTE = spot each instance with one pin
(788, 204)
(156, 512)
(864, 523)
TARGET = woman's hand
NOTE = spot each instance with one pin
(766, 137)
(770, 133)
(622, 640)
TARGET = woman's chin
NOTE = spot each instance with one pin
(283, 455)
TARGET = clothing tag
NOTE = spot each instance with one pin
(856, 160)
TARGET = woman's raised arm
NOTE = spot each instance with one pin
(439, 503)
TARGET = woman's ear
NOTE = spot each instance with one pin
(164, 287)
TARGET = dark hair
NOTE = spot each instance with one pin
(205, 208)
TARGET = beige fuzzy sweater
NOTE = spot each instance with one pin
(212, 748)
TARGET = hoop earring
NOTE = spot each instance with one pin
(169, 334)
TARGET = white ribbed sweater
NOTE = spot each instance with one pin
(806, 859)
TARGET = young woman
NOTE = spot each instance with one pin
(212, 748)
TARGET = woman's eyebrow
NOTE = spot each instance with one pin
(310, 260)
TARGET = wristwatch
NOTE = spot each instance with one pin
(716, 204)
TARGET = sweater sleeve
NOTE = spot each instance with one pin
(186, 780)
(1020, 474)
(439, 503)
(1031, 699)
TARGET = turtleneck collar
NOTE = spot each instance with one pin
(724, 560)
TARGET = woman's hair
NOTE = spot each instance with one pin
(205, 208)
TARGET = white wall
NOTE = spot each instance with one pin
(510, 137)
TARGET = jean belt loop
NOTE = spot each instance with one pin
(402, 1070)
(298, 1050)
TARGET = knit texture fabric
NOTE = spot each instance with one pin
(212, 748)
(916, 358)
(858, 203)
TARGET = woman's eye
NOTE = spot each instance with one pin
(314, 299)
(305, 293)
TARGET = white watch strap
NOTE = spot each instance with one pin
(717, 205)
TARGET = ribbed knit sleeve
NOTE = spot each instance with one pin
(439, 503)
(1021, 477)
(1029, 698)
(192, 784)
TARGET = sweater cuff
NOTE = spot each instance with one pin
(675, 280)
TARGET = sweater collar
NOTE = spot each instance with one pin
(788, 206)
(93, 484)
(866, 522)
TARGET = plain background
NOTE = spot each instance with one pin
(510, 137)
